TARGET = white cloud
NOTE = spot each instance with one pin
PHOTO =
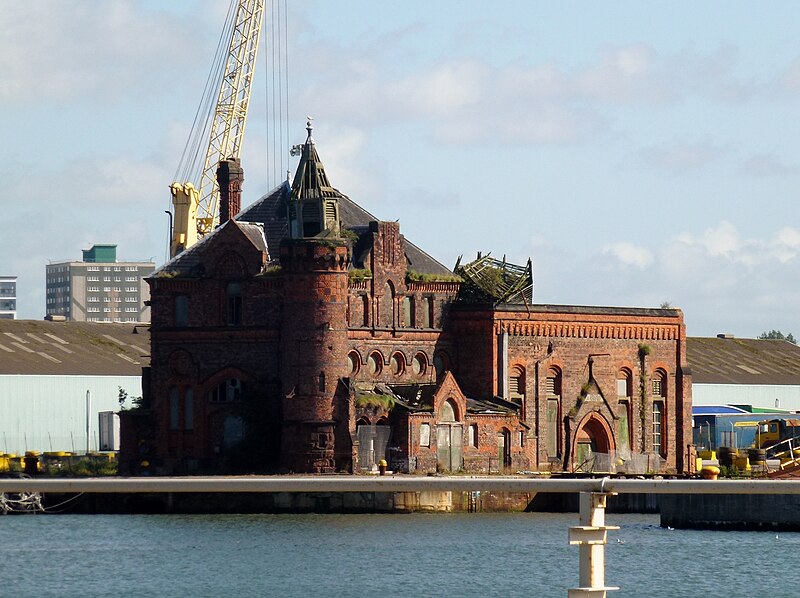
(82, 49)
(680, 157)
(767, 165)
(630, 254)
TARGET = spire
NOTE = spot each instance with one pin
(314, 203)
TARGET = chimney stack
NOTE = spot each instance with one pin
(230, 177)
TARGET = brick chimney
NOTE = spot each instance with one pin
(230, 177)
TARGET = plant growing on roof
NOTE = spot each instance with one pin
(359, 274)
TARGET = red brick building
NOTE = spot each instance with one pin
(306, 335)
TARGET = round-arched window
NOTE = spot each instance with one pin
(397, 363)
(354, 361)
(448, 412)
(375, 363)
(419, 364)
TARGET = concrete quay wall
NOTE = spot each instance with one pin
(731, 511)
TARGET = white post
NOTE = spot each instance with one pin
(88, 420)
(590, 537)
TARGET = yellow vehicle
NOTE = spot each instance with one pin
(773, 431)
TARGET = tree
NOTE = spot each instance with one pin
(777, 335)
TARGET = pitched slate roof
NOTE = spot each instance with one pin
(34, 347)
(743, 361)
(188, 262)
(271, 212)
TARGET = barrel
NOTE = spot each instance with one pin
(727, 455)
(757, 456)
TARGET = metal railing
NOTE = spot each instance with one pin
(590, 535)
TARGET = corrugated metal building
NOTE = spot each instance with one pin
(46, 370)
(735, 371)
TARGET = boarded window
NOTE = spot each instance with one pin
(425, 435)
(472, 435)
(552, 428)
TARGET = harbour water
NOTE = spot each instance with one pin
(507, 554)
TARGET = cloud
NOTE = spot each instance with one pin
(81, 49)
(767, 165)
(679, 157)
(630, 254)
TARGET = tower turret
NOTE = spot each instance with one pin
(314, 265)
(314, 204)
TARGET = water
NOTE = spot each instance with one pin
(376, 555)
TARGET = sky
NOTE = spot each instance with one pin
(638, 153)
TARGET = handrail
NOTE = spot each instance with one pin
(403, 483)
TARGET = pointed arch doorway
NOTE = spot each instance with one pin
(594, 436)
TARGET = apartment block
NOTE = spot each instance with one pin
(98, 288)
(8, 297)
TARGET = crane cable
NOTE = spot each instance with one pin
(276, 93)
(191, 162)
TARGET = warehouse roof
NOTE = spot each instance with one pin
(728, 360)
(35, 347)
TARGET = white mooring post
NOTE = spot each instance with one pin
(590, 537)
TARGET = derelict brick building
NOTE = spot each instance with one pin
(306, 335)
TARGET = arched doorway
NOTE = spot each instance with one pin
(449, 438)
(504, 449)
(593, 437)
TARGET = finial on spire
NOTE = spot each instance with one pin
(309, 128)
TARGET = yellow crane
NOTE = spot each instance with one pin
(196, 206)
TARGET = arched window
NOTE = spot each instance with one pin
(419, 364)
(387, 306)
(516, 384)
(552, 391)
(659, 384)
(449, 411)
(659, 412)
(375, 363)
(624, 384)
(354, 361)
(624, 401)
(397, 363)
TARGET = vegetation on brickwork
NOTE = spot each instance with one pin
(414, 276)
(348, 234)
(359, 274)
(644, 351)
(167, 274)
(385, 402)
(273, 270)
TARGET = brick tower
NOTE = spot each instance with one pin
(314, 263)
